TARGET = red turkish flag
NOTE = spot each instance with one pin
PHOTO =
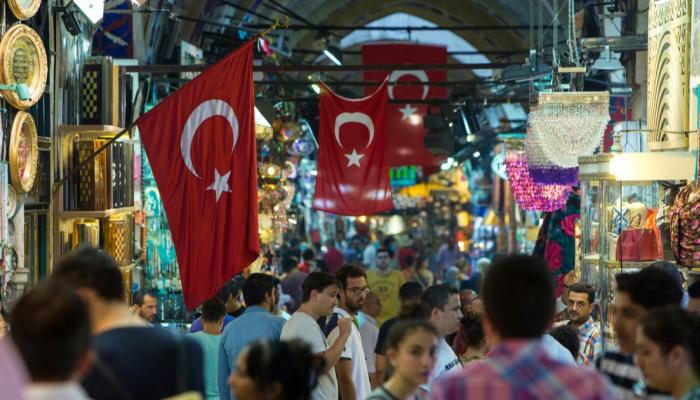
(200, 142)
(353, 173)
(405, 121)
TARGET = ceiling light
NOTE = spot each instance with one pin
(606, 62)
(334, 54)
(316, 88)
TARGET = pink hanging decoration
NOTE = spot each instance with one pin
(528, 194)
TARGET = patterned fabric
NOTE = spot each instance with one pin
(556, 242)
(591, 343)
(522, 370)
(626, 377)
(685, 235)
(693, 394)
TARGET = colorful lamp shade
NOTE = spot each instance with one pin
(530, 195)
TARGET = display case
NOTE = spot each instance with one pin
(621, 197)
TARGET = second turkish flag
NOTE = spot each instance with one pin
(353, 170)
(405, 121)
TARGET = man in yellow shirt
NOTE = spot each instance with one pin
(385, 282)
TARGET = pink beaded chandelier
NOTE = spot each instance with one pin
(528, 194)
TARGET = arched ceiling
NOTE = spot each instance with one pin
(357, 13)
(441, 12)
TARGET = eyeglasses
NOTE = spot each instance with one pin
(359, 290)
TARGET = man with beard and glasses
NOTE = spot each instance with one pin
(580, 307)
(351, 370)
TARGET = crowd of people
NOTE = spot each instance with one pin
(410, 325)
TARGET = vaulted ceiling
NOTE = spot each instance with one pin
(318, 17)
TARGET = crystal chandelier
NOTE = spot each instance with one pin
(568, 125)
(529, 194)
(543, 170)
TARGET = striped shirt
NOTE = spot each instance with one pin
(626, 377)
(522, 370)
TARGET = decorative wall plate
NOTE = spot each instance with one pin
(24, 152)
(24, 9)
(23, 60)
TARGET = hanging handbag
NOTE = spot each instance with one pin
(685, 227)
(637, 245)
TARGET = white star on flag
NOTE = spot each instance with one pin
(354, 158)
(220, 184)
(407, 112)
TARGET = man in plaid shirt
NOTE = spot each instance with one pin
(580, 307)
(518, 296)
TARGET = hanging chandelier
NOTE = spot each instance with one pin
(530, 195)
(569, 125)
(544, 171)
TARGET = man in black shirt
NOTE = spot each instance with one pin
(133, 360)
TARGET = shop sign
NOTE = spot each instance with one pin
(403, 176)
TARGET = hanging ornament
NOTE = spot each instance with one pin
(529, 195)
(270, 171)
(265, 227)
(270, 195)
(289, 171)
(289, 132)
(289, 191)
(301, 147)
(264, 151)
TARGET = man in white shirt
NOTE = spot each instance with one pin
(51, 329)
(319, 297)
(353, 378)
(443, 305)
(370, 333)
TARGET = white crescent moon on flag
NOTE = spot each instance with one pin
(420, 74)
(358, 117)
(204, 111)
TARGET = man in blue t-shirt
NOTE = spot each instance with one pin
(256, 323)
(132, 359)
(212, 318)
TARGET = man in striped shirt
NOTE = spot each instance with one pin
(635, 294)
(580, 307)
(518, 296)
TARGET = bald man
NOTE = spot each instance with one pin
(369, 331)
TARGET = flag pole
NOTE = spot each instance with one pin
(57, 185)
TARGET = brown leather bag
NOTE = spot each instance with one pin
(637, 245)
